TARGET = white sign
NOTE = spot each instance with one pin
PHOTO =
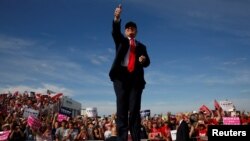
(227, 105)
(30, 112)
(173, 134)
(145, 113)
(91, 111)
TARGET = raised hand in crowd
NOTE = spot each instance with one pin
(117, 13)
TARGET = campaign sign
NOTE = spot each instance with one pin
(65, 111)
(30, 112)
(91, 111)
(4, 135)
(145, 113)
(34, 122)
(229, 132)
(173, 134)
(231, 120)
(227, 105)
(62, 117)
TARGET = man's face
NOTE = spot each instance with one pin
(71, 126)
(63, 124)
(130, 32)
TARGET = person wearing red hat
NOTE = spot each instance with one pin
(127, 75)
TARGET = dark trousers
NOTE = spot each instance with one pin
(128, 104)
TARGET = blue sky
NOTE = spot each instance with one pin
(199, 50)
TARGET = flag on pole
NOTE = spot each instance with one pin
(56, 96)
(217, 105)
(205, 109)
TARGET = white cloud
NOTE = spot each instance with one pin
(98, 58)
(155, 77)
(236, 61)
(14, 43)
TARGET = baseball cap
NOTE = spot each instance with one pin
(130, 24)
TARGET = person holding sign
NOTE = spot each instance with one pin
(127, 75)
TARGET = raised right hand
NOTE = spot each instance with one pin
(117, 13)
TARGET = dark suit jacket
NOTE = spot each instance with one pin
(183, 132)
(121, 47)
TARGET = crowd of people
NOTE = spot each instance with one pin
(15, 124)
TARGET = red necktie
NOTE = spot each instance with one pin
(131, 61)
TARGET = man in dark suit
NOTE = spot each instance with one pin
(128, 78)
(182, 128)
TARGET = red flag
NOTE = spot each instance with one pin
(56, 96)
(217, 105)
(205, 109)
